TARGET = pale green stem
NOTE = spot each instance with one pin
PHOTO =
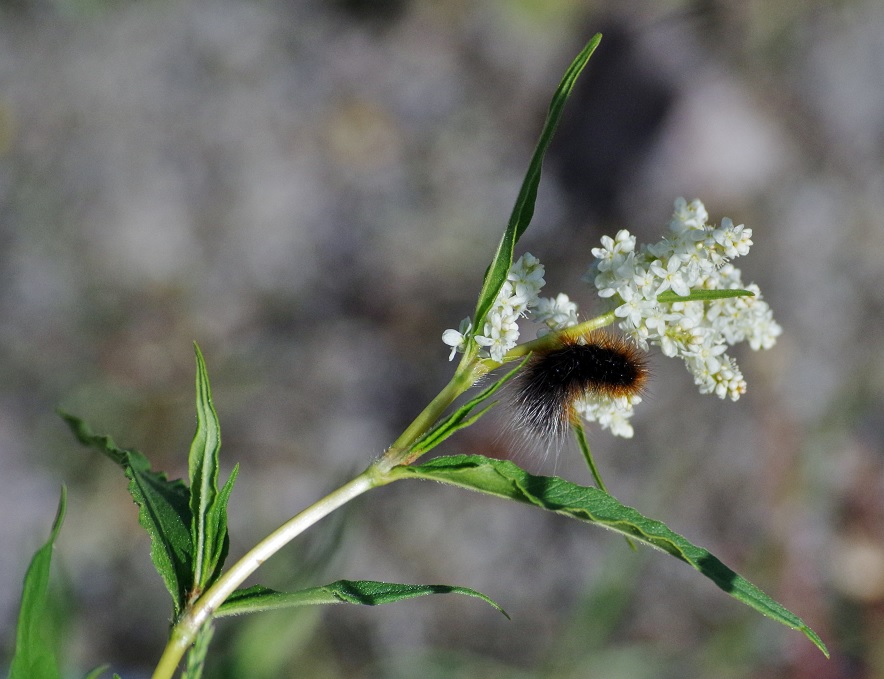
(399, 453)
(469, 370)
(187, 627)
(204, 608)
(583, 444)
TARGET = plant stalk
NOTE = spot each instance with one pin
(400, 452)
(185, 631)
(470, 369)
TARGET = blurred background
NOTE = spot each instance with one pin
(312, 190)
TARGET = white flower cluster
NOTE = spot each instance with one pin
(516, 298)
(519, 297)
(694, 255)
(610, 413)
(555, 313)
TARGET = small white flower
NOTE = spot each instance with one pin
(658, 320)
(457, 339)
(693, 255)
(610, 413)
(735, 240)
(500, 334)
(634, 307)
(688, 216)
(671, 277)
(706, 354)
(606, 283)
(556, 313)
(526, 279)
(614, 250)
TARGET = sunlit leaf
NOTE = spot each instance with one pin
(523, 210)
(208, 507)
(361, 592)
(463, 417)
(669, 297)
(504, 479)
(163, 510)
(34, 643)
(97, 672)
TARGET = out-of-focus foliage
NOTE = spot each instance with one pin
(311, 192)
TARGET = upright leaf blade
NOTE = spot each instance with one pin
(702, 295)
(208, 507)
(523, 210)
(463, 417)
(360, 592)
(34, 652)
(163, 510)
(504, 479)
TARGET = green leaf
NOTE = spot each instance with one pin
(669, 297)
(208, 507)
(504, 479)
(362, 592)
(583, 444)
(97, 672)
(34, 653)
(523, 210)
(460, 419)
(196, 655)
(163, 510)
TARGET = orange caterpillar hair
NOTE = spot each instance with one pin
(595, 364)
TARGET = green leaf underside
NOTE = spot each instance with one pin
(360, 592)
(97, 672)
(196, 655)
(460, 419)
(163, 510)
(670, 297)
(504, 479)
(523, 210)
(208, 507)
(34, 652)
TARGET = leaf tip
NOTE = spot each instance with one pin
(816, 640)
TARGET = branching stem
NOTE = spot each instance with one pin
(201, 612)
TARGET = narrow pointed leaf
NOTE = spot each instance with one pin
(504, 479)
(208, 508)
(669, 297)
(34, 652)
(97, 672)
(163, 510)
(362, 592)
(523, 210)
(218, 527)
(462, 417)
